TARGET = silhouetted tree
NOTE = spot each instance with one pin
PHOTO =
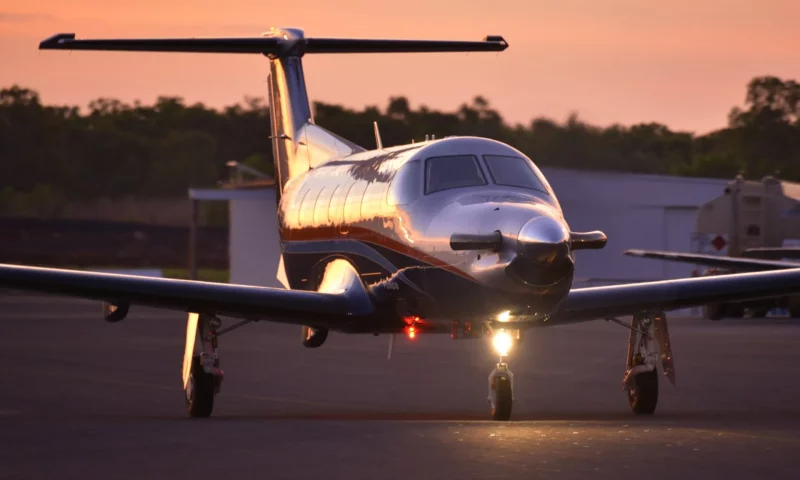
(53, 154)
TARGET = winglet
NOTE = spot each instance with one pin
(634, 252)
(496, 39)
(55, 41)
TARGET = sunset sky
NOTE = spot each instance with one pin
(683, 63)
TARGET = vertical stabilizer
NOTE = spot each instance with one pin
(297, 144)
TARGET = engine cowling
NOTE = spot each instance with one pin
(336, 276)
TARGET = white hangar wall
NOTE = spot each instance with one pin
(635, 211)
(253, 244)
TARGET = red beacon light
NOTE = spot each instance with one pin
(411, 332)
(411, 329)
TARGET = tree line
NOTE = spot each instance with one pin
(53, 154)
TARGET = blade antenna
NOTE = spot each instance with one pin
(378, 141)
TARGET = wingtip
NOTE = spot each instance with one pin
(634, 253)
(56, 41)
(497, 39)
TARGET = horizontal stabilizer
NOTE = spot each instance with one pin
(356, 45)
(272, 45)
(67, 41)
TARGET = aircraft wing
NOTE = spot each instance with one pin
(772, 253)
(618, 300)
(333, 310)
(735, 263)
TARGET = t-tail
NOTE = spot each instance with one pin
(298, 144)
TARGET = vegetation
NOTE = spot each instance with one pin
(57, 154)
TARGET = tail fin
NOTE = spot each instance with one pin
(298, 144)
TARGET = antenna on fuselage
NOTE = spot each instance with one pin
(378, 141)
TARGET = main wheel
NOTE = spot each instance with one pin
(713, 311)
(199, 391)
(503, 398)
(734, 310)
(314, 337)
(644, 397)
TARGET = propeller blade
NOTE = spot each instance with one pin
(469, 241)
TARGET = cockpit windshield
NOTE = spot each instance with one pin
(455, 171)
(513, 172)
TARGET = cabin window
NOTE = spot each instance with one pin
(322, 206)
(336, 210)
(406, 185)
(513, 172)
(306, 216)
(374, 200)
(294, 206)
(352, 204)
(456, 171)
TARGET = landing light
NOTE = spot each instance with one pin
(504, 316)
(502, 342)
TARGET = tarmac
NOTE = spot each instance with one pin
(82, 398)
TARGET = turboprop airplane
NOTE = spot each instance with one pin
(752, 259)
(756, 259)
(457, 235)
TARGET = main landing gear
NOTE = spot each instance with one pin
(202, 376)
(648, 344)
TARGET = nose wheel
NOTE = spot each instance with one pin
(501, 380)
(501, 391)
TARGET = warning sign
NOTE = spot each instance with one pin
(719, 243)
(714, 244)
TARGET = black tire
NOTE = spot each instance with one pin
(314, 337)
(644, 397)
(759, 313)
(502, 409)
(794, 312)
(713, 311)
(734, 310)
(200, 391)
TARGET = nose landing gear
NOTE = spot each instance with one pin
(501, 380)
(501, 391)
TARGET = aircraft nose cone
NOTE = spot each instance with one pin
(543, 240)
